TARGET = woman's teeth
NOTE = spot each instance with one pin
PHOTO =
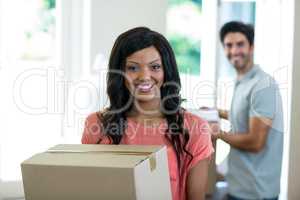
(144, 87)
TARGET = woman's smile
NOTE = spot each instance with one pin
(144, 87)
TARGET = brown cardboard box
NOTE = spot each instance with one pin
(96, 172)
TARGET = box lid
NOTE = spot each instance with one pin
(117, 156)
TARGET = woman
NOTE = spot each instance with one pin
(143, 86)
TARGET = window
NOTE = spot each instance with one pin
(184, 33)
(228, 11)
(189, 24)
(28, 52)
(31, 35)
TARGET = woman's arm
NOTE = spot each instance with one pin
(197, 180)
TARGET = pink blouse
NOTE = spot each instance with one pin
(199, 144)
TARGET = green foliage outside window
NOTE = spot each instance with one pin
(47, 16)
(49, 4)
(184, 28)
(187, 53)
(176, 2)
(39, 33)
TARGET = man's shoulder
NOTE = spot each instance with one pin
(263, 80)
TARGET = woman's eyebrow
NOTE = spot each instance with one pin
(132, 62)
(154, 61)
(158, 59)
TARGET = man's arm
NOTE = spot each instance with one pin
(252, 141)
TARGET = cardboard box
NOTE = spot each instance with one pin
(95, 172)
(209, 114)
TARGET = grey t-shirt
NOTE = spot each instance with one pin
(256, 175)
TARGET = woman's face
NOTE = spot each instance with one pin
(144, 74)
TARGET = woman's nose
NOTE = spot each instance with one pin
(144, 74)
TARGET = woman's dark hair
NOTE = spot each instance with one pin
(240, 27)
(121, 100)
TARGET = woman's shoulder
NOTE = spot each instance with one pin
(95, 116)
(93, 122)
(92, 117)
(196, 126)
(93, 130)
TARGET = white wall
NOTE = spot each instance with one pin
(111, 18)
(273, 51)
(88, 33)
(294, 158)
(89, 28)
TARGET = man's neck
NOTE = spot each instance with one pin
(241, 73)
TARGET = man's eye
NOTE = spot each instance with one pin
(228, 46)
(241, 44)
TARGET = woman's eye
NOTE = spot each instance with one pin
(155, 67)
(132, 68)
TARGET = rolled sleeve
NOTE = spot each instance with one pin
(263, 101)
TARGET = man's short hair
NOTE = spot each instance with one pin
(238, 27)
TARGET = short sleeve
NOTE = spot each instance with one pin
(92, 133)
(264, 100)
(200, 144)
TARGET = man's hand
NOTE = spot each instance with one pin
(215, 130)
(252, 141)
(223, 114)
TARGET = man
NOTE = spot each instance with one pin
(256, 137)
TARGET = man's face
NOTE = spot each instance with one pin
(238, 50)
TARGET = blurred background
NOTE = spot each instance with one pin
(53, 63)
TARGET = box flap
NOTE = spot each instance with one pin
(118, 156)
(107, 148)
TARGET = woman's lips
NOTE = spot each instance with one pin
(144, 87)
